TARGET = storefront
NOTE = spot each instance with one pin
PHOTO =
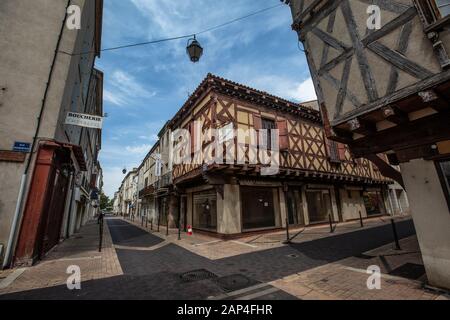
(258, 208)
(205, 211)
(319, 205)
(373, 200)
(295, 211)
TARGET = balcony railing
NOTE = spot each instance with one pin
(164, 181)
(147, 191)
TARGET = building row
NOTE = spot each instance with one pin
(49, 170)
(315, 179)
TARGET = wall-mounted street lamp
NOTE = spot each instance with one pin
(194, 50)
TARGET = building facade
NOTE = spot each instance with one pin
(381, 70)
(128, 195)
(316, 179)
(49, 165)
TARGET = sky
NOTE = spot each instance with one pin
(145, 86)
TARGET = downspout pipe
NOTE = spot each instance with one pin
(17, 213)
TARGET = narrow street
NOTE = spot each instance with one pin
(154, 268)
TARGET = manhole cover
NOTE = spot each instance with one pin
(197, 275)
(235, 282)
(409, 271)
(293, 256)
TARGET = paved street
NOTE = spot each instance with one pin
(152, 267)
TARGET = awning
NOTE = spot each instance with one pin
(78, 154)
(75, 149)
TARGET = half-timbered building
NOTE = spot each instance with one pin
(316, 179)
(381, 72)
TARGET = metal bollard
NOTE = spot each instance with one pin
(167, 227)
(288, 237)
(331, 224)
(361, 220)
(394, 230)
(100, 245)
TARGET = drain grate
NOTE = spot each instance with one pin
(197, 275)
(235, 282)
(411, 271)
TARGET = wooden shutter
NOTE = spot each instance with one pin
(257, 121)
(284, 135)
(332, 150)
(341, 150)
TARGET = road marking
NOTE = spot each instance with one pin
(156, 247)
(244, 244)
(259, 294)
(207, 243)
(239, 292)
(5, 283)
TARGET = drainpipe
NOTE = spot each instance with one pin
(23, 182)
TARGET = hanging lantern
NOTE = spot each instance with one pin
(124, 171)
(194, 50)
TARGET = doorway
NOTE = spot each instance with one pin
(295, 208)
(258, 211)
(319, 205)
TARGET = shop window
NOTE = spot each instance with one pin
(258, 211)
(319, 205)
(373, 202)
(205, 211)
(295, 207)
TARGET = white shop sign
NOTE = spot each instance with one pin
(84, 120)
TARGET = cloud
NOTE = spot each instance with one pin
(122, 89)
(304, 91)
(139, 150)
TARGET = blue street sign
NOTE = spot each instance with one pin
(22, 147)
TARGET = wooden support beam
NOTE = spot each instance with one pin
(433, 100)
(362, 127)
(394, 115)
(385, 169)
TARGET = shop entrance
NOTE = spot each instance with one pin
(205, 211)
(295, 208)
(319, 205)
(258, 210)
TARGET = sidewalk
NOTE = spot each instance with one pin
(80, 250)
(215, 249)
(402, 277)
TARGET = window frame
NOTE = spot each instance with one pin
(430, 12)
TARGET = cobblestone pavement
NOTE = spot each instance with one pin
(159, 267)
(81, 250)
